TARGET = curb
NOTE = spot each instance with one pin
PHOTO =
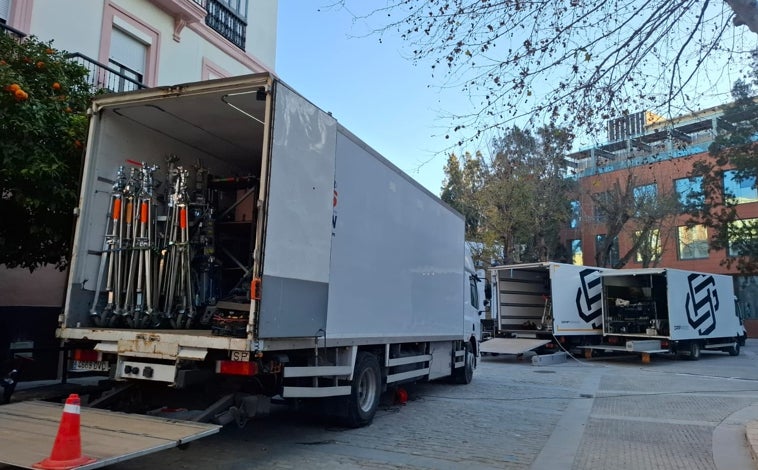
(751, 434)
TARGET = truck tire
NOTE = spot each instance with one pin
(366, 391)
(734, 350)
(694, 351)
(464, 375)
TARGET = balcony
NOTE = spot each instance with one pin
(100, 77)
(192, 9)
(226, 22)
(184, 12)
(104, 78)
(11, 31)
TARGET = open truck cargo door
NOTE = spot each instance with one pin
(28, 430)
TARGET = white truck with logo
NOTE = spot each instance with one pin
(544, 306)
(233, 236)
(662, 310)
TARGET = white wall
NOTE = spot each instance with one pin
(261, 30)
(74, 26)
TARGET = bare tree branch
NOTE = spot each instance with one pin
(569, 62)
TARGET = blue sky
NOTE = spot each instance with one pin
(369, 87)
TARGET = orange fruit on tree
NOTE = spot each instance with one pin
(40, 65)
(20, 95)
(13, 87)
(56, 86)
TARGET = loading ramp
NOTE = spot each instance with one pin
(28, 430)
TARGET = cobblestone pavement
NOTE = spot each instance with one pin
(606, 413)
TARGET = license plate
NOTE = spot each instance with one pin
(240, 355)
(87, 366)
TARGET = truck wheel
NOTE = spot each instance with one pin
(366, 391)
(464, 375)
(734, 350)
(694, 351)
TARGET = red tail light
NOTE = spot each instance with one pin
(86, 355)
(236, 368)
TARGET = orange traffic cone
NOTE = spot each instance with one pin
(67, 449)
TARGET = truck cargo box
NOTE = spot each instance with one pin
(296, 228)
(670, 304)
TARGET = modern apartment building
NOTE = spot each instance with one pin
(125, 44)
(660, 155)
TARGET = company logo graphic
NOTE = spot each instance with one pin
(334, 210)
(588, 303)
(702, 303)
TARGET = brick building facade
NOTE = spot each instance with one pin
(660, 155)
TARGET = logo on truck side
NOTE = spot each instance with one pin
(702, 303)
(588, 297)
(334, 210)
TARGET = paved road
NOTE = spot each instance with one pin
(600, 414)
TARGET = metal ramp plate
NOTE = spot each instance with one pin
(511, 345)
(28, 430)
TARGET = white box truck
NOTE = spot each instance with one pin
(536, 306)
(232, 235)
(656, 310)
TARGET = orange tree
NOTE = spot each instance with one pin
(43, 124)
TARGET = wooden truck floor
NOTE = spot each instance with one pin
(28, 430)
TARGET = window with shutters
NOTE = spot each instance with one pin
(127, 55)
(129, 48)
